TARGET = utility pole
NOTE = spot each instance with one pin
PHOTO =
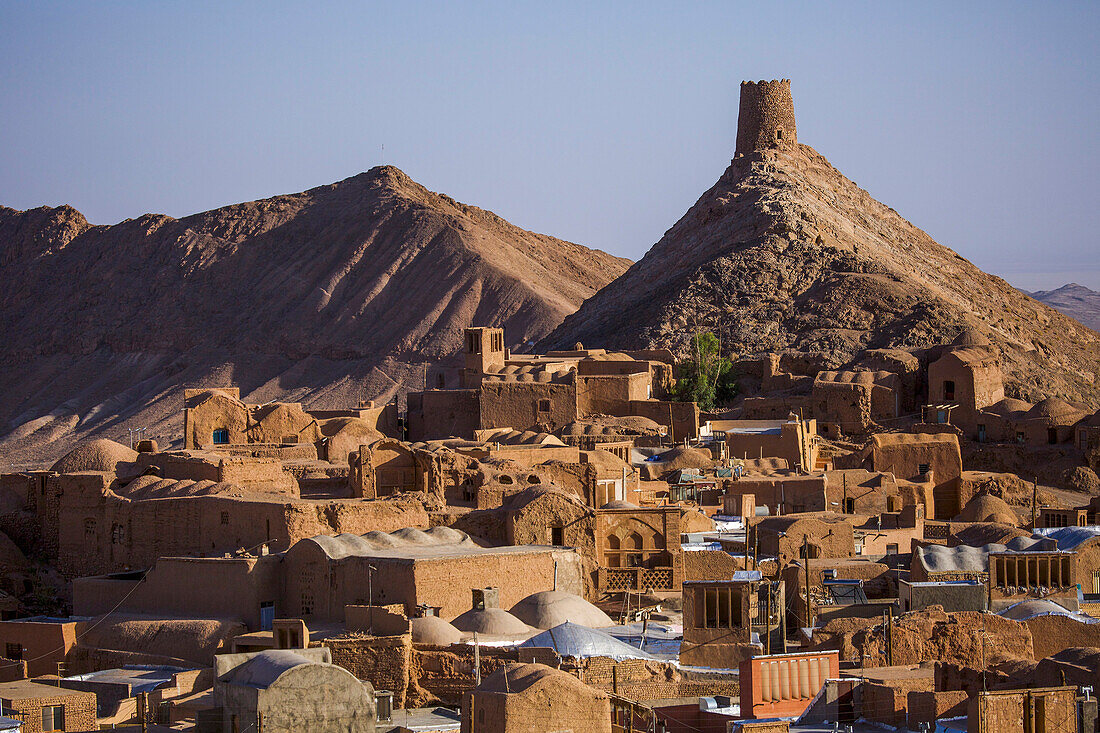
(806, 566)
(1034, 499)
(477, 662)
(890, 635)
(768, 620)
(370, 594)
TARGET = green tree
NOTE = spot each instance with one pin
(705, 376)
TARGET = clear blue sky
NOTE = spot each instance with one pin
(596, 122)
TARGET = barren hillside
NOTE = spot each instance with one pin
(328, 296)
(785, 253)
(1076, 301)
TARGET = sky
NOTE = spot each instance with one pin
(596, 122)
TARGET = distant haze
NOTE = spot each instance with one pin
(597, 123)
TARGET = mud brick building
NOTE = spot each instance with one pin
(46, 708)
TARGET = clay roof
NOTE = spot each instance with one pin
(538, 372)
(352, 545)
(493, 621)
(551, 608)
(973, 355)
(155, 487)
(970, 337)
(853, 377)
(1055, 409)
(434, 630)
(95, 455)
(1008, 406)
(514, 678)
(988, 508)
(194, 641)
(508, 436)
(967, 559)
(886, 439)
(516, 501)
(574, 640)
(266, 667)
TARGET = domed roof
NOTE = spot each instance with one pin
(1053, 408)
(970, 337)
(495, 621)
(988, 508)
(1009, 406)
(549, 608)
(434, 630)
(573, 640)
(95, 455)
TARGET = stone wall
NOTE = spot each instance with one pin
(766, 115)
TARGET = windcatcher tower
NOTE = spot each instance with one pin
(766, 116)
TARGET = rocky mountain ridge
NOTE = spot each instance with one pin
(328, 296)
(784, 253)
(1076, 301)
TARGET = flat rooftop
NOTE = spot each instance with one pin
(31, 690)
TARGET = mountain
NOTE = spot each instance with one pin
(1076, 301)
(339, 293)
(784, 253)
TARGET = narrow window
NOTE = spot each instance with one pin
(1052, 436)
(53, 718)
(949, 390)
(225, 517)
(557, 536)
(1019, 437)
(221, 436)
(440, 381)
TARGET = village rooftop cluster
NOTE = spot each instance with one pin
(554, 541)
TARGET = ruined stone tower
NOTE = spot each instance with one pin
(766, 116)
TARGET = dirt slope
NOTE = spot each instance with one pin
(328, 296)
(785, 253)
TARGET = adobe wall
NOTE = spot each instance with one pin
(765, 116)
(79, 715)
(516, 405)
(943, 456)
(681, 418)
(610, 394)
(442, 414)
(1053, 634)
(776, 408)
(792, 492)
(643, 680)
(446, 583)
(848, 405)
(232, 589)
(711, 564)
(44, 644)
(386, 661)
(928, 707)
